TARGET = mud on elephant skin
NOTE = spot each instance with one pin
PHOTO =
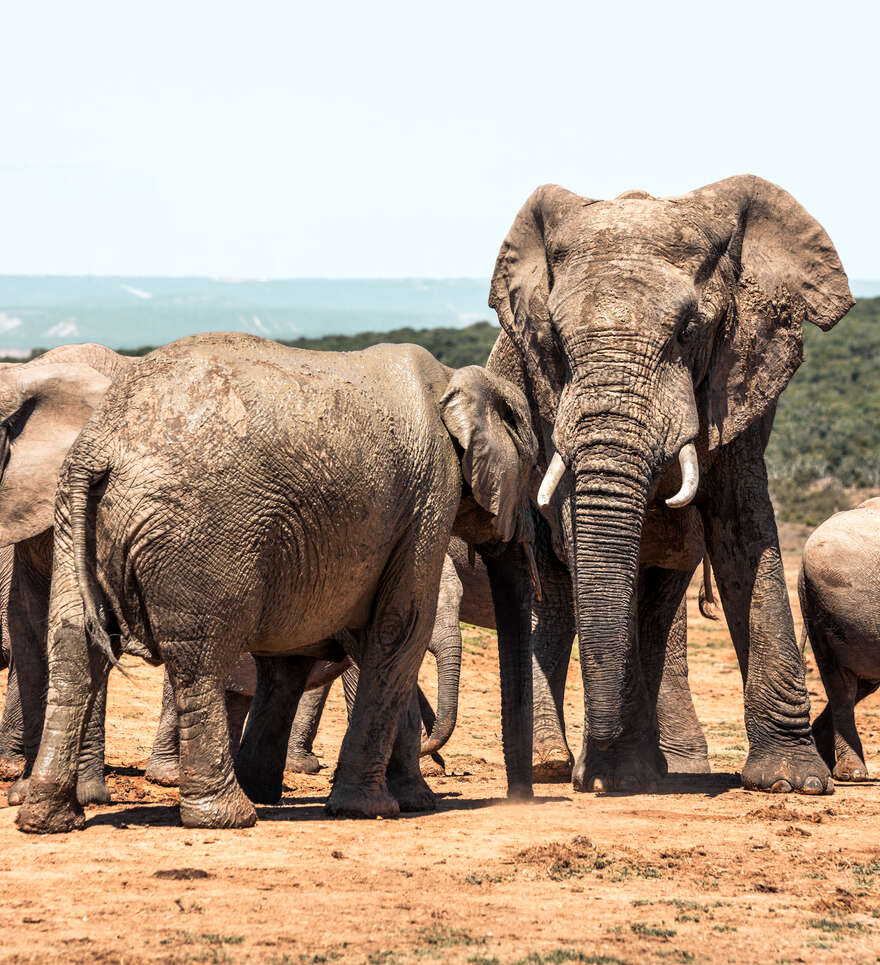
(840, 603)
(333, 483)
(653, 338)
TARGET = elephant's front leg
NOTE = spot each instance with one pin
(210, 796)
(682, 741)
(12, 756)
(259, 764)
(552, 639)
(744, 548)
(300, 754)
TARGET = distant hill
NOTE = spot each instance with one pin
(128, 312)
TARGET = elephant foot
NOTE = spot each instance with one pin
(303, 762)
(163, 772)
(92, 791)
(552, 764)
(686, 762)
(18, 792)
(784, 769)
(850, 767)
(629, 768)
(357, 801)
(228, 809)
(412, 794)
(50, 814)
(11, 766)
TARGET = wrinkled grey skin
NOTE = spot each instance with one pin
(465, 595)
(635, 327)
(44, 404)
(445, 645)
(232, 494)
(839, 588)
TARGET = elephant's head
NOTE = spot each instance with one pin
(489, 419)
(43, 406)
(644, 325)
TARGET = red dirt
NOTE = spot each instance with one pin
(703, 872)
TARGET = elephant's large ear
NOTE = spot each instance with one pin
(490, 419)
(521, 286)
(785, 271)
(43, 407)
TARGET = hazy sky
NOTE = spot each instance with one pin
(289, 139)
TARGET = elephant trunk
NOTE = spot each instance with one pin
(446, 647)
(609, 502)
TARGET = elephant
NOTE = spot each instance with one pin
(234, 494)
(837, 586)
(44, 404)
(652, 338)
(465, 595)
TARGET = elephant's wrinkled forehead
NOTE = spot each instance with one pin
(650, 231)
(628, 259)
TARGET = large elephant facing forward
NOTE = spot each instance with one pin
(234, 494)
(653, 337)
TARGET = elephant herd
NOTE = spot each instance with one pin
(261, 519)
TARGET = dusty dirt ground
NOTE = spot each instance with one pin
(702, 872)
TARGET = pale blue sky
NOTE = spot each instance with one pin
(280, 139)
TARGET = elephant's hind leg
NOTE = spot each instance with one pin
(389, 655)
(259, 764)
(210, 796)
(405, 780)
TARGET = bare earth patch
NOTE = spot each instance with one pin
(702, 871)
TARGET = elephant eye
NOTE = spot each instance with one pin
(688, 323)
(15, 423)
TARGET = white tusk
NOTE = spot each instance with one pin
(690, 477)
(555, 472)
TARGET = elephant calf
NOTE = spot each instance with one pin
(839, 590)
(232, 494)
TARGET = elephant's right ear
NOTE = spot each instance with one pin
(521, 286)
(43, 407)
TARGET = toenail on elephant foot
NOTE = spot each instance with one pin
(552, 765)
(50, 813)
(92, 792)
(431, 767)
(228, 809)
(18, 792)
(305, 763)
(635, 769)
(800, 770)
(11, 767)
(164, 773)
(412, 795)
(358, 801)
(850, 769)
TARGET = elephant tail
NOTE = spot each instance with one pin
(707, 599)
(80, 480)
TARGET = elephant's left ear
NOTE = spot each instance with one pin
(490, 420)
(785, 271)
